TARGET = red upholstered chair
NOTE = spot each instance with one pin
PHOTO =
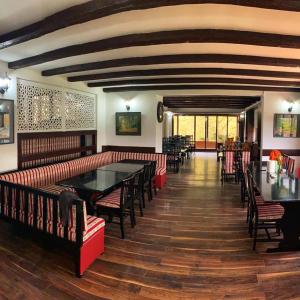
(263, 215)
(228, 166)
(245, 159)
(118, 203)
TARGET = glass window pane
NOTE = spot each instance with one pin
(200, 132)
(175, 122)
(211, 133)
(186, 125)
(222, 129)
(232, 127)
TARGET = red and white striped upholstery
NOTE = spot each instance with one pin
(101, 159)
(270, 212)
(93, 224)
(161, 159)
(245, 159)
(112, 200)
(39, 177)
(79, 166)
(229, 161)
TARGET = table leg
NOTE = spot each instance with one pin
(290, 227)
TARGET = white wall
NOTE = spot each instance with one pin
(8, 153)
(146, 103)
(276, 103)
(168, 124)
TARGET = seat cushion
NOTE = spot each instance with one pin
(270, 212)
(94, 225)
(56, 189)
(112, 200)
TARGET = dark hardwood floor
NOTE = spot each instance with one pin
(192, 243)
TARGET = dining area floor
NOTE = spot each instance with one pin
(191, 243)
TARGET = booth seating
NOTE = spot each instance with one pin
(161, 163)
(30, 198)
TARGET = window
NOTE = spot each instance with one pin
(200, 132)
(186, 125)
(232, 127)
(222, 129)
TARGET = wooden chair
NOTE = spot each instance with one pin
(290, 166)
(228, 166)
(118, 204)
(285, 160)
(139, 190)
(152, 178)
(262, 216)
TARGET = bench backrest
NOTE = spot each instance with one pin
(40, 210)
(161, 159)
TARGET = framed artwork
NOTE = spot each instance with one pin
(6, 121)
(286, 126)
(128, 123)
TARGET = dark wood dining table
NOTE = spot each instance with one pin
(284, 190)
(122, 167)
(92, 185)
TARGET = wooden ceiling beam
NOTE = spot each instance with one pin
(163, 37)
(175, 59)
(186, 71)
(207, 105)
(195, 80)
(210, 97)
(96, 9)
(200, 87)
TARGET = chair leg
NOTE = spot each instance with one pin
(150, 189)
(268, 234)
(132, 217)
(141, 205)
(154, 188)
(143, 198)
(122, 226)
(254, 237)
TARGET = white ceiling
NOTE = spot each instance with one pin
(207, 16)
(18, 13)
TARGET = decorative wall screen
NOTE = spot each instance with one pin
(49, 108)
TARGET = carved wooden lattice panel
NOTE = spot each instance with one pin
(47, 108)
(80, 111)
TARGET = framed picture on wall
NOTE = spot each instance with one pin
(286, 125)
(6, 121)
(128, 123)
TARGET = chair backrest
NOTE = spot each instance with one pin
(229, 161)
(127, 192)
(245, 159)
(152, 169)
(139, 183)
(291, 166)
(285, 161)
(251, 191)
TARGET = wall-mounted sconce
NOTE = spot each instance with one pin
(4, 84)
(290, 105)
(127, 104)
